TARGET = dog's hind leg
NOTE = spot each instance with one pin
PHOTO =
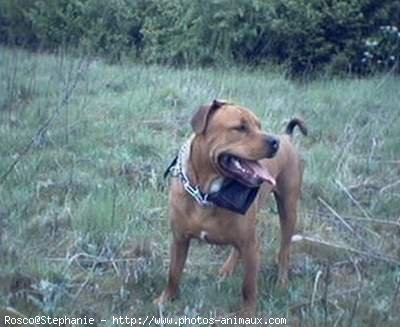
(287, 198)
(231, 262)
(229, 266)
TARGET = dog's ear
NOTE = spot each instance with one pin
(201, 117)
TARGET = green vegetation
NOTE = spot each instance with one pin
(83, 206)
(305, 36)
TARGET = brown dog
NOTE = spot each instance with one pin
(228, 143)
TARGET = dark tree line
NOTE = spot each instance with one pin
(358, 36)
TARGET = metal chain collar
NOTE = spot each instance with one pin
(179, 170)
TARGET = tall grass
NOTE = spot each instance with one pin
(83, 207)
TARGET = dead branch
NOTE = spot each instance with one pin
(359, 206)
(385, 188)
(44, 128)
(380, 257)
(363, 219)
(336, 214)
(317, 277)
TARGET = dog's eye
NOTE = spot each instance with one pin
(241, 128)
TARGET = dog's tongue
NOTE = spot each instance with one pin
(261, 172)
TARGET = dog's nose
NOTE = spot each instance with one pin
(273, 143)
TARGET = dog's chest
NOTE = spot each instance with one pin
(210, 237)
(211, 229)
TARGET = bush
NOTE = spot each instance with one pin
(201, 32)
(15, 25)
(304, 35)
(105, 27)
(310, 34)
(382, 50)
(332, 34)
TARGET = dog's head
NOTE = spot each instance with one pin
(234, 142)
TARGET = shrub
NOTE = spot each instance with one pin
(106, 27)
(304, 35)
(114, 27)
(15, 25)
(311, 35)
(200, 32)
(58, 22)
(382, 50)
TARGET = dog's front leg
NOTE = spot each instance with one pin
(179, 250)
(251, 262)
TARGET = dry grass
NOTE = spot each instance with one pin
(83, 215)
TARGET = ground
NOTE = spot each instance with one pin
(83, 206)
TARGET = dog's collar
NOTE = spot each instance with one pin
(232, 195)
(178, 169)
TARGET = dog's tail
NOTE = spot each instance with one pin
(296, 122)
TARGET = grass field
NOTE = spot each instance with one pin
(83, 206)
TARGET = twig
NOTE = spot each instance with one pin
(335, 213)
(332, 303)
(371, 153)
(73, 258)
(160, 312)
(357, 299)
(386, 76)
(362, 219)
(89, 276)
(114, 264)
(319, 274)
(359, 206)
(326, 289)
(374, 221)
(380, 257)
(378, 160)
(94, 258)
(385, 188)
(395, 295)
(340, 317)
(114, 201)
(368, 182)
(43, 129)
(83, 285)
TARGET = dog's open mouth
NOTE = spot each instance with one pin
(248, 172)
